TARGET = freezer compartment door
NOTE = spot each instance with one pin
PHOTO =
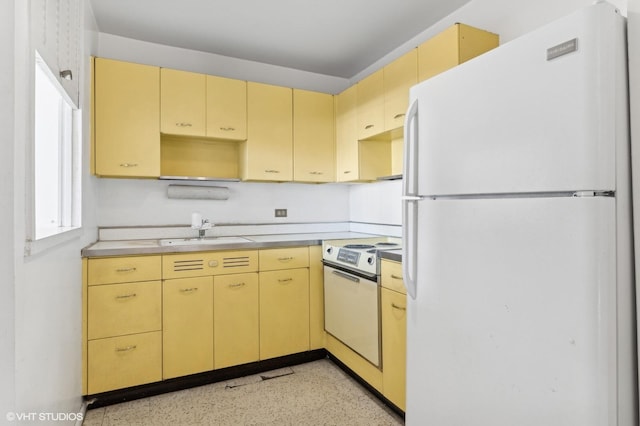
(514, 321)
(514, 121)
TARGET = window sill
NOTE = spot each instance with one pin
(55, 238)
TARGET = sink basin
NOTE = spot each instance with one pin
(202, 242)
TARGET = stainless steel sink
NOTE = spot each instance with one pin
(202, 242)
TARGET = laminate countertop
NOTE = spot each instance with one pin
(186, 245)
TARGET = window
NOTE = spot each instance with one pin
(56, 155)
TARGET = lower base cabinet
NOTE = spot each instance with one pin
(394, 342)
(284, 312)
(187, 326)
(236, 329)
(124, 361)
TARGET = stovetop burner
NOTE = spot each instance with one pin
(358, 246)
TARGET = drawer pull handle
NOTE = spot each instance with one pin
(272, 171)
(127, 349)
(188, 290)
(126, 296)
(400, 308)
(316, 173)
(183, 124)
(236, 285)
(128, 164)
(398, 115)
(130, 269)
(396, 277)
(285, 259)
(369, 126)
(228, 129)
(285, 280)
(346, 172)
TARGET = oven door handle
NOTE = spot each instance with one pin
(346, 276)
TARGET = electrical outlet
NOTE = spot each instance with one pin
(281, 212)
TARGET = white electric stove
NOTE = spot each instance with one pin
(357, 255)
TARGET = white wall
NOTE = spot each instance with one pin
(138, 202)
(7, 292)
(48, 286)
(509, 19)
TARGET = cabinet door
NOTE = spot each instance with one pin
(226, 108)
(394, 344)
(235, 323)
(399, 76)
(187, 326)
(370, 112)
(268, 151)
(183, 104)
(346, 136)
(313, 137)
(127, 308)
(127, 119)
(284, 312)
(124, 361)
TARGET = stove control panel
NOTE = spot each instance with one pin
(348, 256)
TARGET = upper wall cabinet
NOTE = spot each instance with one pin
(203, 105)
(126, 120)
(346, 136)
(267, 154)
(183, 103)
(313, 137)
(370, 112)
(226, 108)
(399, 76)
(453, 46)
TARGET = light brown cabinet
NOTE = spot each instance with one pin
(393, 307)
(226, 108)
(182, 102)
(313, 137)
(453, 46)
(122, 330)
(187, 326)
(126, 120)
(370, 101)
(267, 154)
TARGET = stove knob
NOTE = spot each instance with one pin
(330, 250)
(371, 260)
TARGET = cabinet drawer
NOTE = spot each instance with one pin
(391, 276)
(124, 269)
(200, 264)
(285, 258)
(124, 361)
(116, 309)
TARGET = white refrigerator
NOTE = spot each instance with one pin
(517, 234)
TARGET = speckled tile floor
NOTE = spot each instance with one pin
(316, 393)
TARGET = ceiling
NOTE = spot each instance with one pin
(331, 37)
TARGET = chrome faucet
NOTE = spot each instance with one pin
(202, 228)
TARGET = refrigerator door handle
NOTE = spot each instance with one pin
(410, 199)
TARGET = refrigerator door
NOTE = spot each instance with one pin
(513, 120)
(514, 321)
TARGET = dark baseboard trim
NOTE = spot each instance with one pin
(194, 380)
(366, 385)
